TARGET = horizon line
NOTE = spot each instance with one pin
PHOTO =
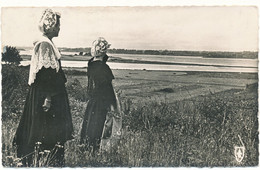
(150, 49)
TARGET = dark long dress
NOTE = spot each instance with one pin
(102, 96)
(45, 127)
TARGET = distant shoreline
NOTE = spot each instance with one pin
(119, 60)
(206, 54)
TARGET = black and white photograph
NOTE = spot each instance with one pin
(129, 86)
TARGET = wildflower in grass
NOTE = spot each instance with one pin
(9, 157)
(47, 151)
(58, 145)
(19, 164)
(38, 143)
(17, 159)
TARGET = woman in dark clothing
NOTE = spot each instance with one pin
(102, 104)
(46, 118)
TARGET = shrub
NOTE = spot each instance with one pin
(14, 88)
(11, 55)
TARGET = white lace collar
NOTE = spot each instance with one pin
(43, 56)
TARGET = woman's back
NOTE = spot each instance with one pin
(100, 79)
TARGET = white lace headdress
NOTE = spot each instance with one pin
(99, 47)
(48, 21)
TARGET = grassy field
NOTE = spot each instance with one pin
(171, 119)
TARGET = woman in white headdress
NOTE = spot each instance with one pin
(102, 121)
(46, 118)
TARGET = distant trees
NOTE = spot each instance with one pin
(87, 53)
(208, 54)
(10, 55)
(84, 54)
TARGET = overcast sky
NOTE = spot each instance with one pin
(172, 28)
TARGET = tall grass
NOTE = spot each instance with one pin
(200, 132)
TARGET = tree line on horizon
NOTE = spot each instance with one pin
(209, 54)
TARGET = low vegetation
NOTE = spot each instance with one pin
(197, 132)
(11, 55)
